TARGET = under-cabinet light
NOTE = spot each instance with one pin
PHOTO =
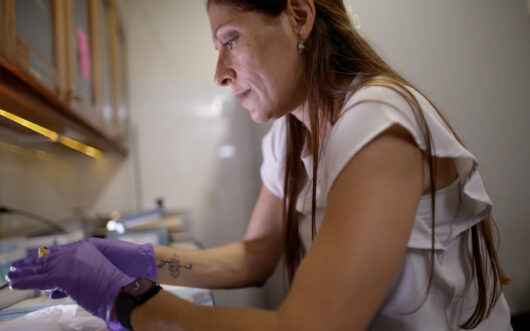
(53, 136)
(80, 147)
(30, 125)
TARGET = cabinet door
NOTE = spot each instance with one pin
(7, 30)
(34, 39)
(105, 103)
(123, 88)
(80, 60)
(119, 87)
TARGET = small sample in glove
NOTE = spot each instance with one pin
(43, 251)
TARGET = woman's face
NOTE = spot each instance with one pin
(258, 58)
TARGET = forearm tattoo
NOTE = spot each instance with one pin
(174, 265)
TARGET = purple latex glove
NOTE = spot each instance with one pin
(134, 260)
(80, 271)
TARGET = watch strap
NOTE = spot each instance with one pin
(123, 312)
(125, 302)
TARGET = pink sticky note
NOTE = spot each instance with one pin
(83, 54)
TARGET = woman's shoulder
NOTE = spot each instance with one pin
(375, 104)
(383, 90)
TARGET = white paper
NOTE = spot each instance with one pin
(56, 318)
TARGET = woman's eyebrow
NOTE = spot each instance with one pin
(220, 26)
(215, 33)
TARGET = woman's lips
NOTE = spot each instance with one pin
(242, 95)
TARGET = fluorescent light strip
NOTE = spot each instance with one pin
(53, 136)
(30, 125)
(80, 147)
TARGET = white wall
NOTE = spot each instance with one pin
(472, 58)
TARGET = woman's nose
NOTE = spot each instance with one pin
(224, 73)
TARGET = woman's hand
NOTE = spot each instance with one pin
(81, 271)
(134, 260)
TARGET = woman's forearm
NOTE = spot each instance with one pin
(166, 312)
(247, 263)
(235, 265)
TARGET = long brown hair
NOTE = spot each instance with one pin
(334, 55)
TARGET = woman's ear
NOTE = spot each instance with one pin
(302, 15)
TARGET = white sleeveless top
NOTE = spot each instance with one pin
(459, 206)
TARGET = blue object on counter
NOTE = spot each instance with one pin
(144, 217)
(156, 236)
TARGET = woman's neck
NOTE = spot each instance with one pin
(302, 114)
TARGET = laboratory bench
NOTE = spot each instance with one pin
(39, 310)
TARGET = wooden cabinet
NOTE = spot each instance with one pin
(63, 65)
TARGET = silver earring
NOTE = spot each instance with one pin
(301, 44)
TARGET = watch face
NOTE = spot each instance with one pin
(139, 287)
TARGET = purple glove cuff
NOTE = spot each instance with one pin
(148, 267)
(115, 326)
(112, 293)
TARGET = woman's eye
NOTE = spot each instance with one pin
(230, 43)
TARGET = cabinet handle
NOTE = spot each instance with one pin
(74, 96)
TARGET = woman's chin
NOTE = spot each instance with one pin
(258, 117)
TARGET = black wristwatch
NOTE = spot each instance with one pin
(131, 296)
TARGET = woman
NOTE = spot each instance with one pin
(377, 207)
